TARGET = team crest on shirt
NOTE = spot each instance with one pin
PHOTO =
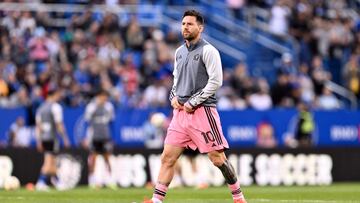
(179, 57)
(196, 57)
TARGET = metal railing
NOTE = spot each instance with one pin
(243, 28)
(236, 54)
(345, 93)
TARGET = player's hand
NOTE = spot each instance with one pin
(66, 143)
(175, 103)
(85, 144)
(39, 147)
(188, 108)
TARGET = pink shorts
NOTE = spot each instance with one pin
(201, 129)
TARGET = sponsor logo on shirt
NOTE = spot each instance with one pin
(196, 57)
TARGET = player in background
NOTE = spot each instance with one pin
(49, 124)
(196, 122)
(99, 114)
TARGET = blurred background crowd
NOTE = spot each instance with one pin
(134, 62)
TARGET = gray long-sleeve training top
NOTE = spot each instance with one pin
(197, 74)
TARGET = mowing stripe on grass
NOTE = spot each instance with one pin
(305, 201)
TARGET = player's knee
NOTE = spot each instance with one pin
(45, 168)
(168, 160)
(217, 160)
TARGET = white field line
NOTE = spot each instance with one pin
(302, 201)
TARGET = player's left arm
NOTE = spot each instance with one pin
(38, 132)
(111, 111)
(60, 127)
(212, 61)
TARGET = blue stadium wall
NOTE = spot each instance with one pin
(332, 128)
(334, 159)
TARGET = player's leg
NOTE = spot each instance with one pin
(46, 169)
(45, 173)
(106, 150)
(96, 148)
(106, 156)
(169, 157)
(53, 152)
(43, 177)
(168, 160)
(110, 180)
(91, 168)
(52, 168)
(176, 181)
(218, 158)
(175, 142)
(206, 133)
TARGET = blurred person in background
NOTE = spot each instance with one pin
(287, 65)
(305, 125)
(327, 100)
(319, 75)
(280, 91)
(39, 50)
(49, 123)
(341, 38)
(302, 128)
(236, 7)
(265, 135)
(155, 130)
(4, 89)
(351, 75)
(260, 98)
(278, 24)
(134, 35)
(99, 114)
(155, 95)
(240, 80)
(306, 84)
(19, 134)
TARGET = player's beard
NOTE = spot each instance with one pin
(190, 36)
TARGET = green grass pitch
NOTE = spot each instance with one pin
(347, 193)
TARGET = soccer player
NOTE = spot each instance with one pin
(49, 123)
(196, 123)
(99, 114)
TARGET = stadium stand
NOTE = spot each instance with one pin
(291, 78)
(126, 46)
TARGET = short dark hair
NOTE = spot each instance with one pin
(101, 91)
(196, 14)
(52, 89)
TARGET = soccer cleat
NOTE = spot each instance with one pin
(112, 186)
(242, 200)
(41, 186)
(151, 201)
